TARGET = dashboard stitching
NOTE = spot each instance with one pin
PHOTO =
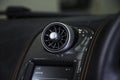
(88, 58)
(27, 46)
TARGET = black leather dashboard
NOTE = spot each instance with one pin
(17, 35)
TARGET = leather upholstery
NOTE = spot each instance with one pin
(104, 63)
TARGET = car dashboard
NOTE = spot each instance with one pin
(64, 48)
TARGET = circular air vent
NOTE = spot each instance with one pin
(57, 37)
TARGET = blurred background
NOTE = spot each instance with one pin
(82, 6)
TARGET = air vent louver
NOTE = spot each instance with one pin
(57, 37)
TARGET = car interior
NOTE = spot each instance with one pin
(59, 40)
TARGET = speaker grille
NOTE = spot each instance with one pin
(56, 37)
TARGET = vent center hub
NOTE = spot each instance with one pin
(54, 36)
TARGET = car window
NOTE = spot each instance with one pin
(82, 6)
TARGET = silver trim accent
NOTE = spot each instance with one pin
(53, 35)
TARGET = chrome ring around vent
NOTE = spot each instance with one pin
(56, 37)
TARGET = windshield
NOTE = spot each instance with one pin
(82, 6)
